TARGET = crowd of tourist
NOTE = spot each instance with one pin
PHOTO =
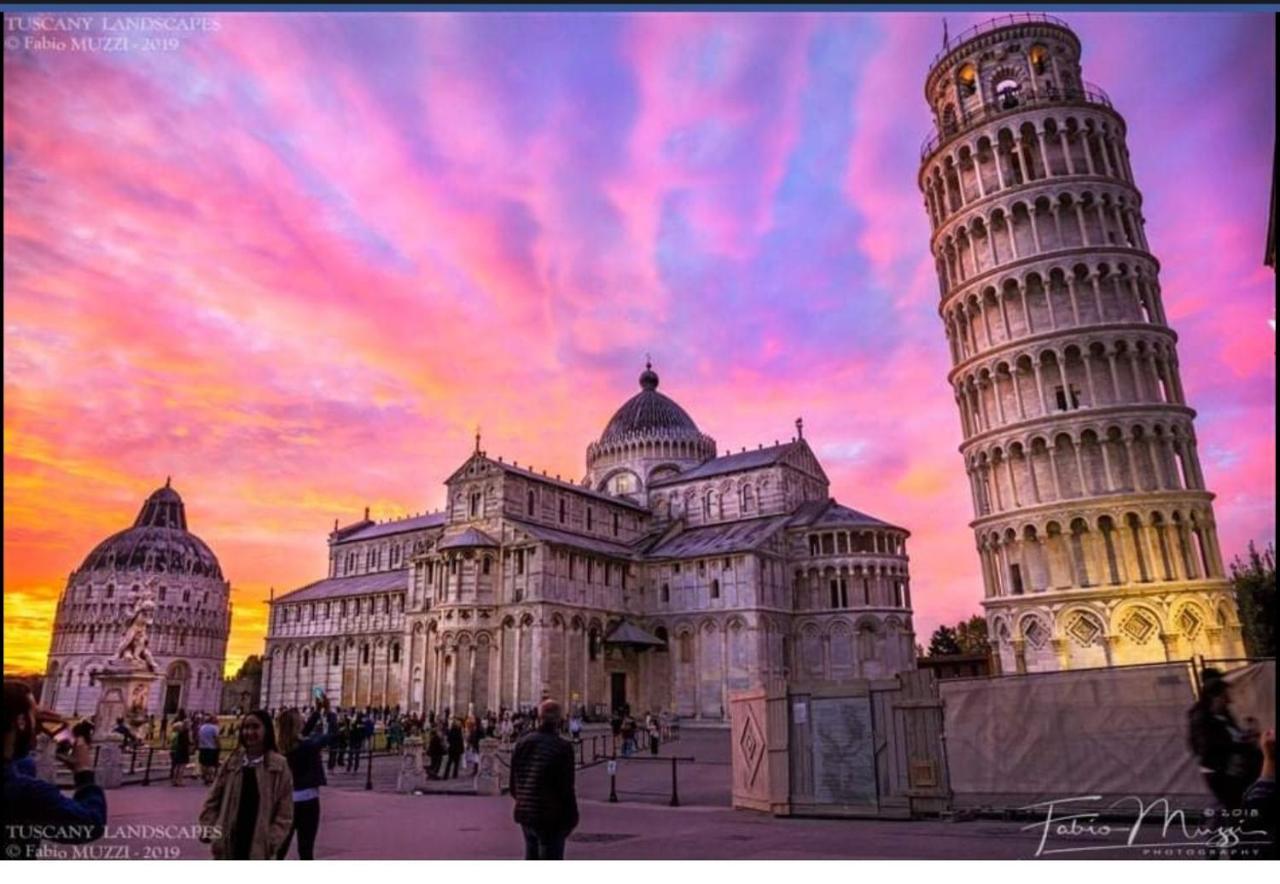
(265, 793)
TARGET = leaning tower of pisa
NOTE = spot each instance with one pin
(1093, 524)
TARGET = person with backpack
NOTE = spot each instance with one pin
(179, 752)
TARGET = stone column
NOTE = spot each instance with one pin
(1053, 471)
(1097, 295)
(519, 630)
(1112, 485)
(1017, 392)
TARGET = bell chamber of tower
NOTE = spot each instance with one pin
(1093, 523)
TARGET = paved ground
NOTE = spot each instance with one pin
(379, 824)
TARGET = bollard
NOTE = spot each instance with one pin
(146, 776)
(97, 750)
(368, 774)
(675, 793)
(613, 780)
(133, 759)
(580, 762)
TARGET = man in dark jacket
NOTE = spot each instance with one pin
(355, 743)
(435, 753)
(542, 786)
(35, 810)
(455, 744)
(1228, 753)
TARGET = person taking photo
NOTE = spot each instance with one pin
(34, 809)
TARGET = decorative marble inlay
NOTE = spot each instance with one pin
(1138, 626)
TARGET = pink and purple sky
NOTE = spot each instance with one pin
(296, 261)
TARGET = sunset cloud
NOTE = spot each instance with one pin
(297, 261)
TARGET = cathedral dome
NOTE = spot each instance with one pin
(158, 542)
(649, 414)
(649, 437)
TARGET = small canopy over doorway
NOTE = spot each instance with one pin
(636, 678)
(628, 634)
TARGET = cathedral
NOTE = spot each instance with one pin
(668, 577)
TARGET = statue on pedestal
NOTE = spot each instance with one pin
(134, 646)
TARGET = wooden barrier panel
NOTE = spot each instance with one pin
(856, 747)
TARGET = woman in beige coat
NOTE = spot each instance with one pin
(249, 810)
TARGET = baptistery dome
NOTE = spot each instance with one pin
(158, 542)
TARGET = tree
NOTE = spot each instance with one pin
(966, 637)
(944, 643)
(251, 667)
(1254, 578)
(971, 635)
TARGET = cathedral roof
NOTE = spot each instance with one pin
(470, 537)
(829, 514)
(731, 463)
(336, 587)
(649, 415)
(554, 481)
(715, 540)
(399, 526)
(158, 542)
(566, 538)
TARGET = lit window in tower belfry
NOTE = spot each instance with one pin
(1037, 57)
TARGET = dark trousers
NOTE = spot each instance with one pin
(433, 770)
(543, 845)
(353, 757)
(451, 766)
(306, 822)
(335, 757)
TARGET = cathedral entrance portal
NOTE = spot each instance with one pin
(175, 686)
(617, 690)
(172, 697)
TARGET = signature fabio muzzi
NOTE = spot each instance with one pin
(1158, 829)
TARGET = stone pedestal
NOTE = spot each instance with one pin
(109, 773)
(125, 689)
(413, 773)
(488, 776)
